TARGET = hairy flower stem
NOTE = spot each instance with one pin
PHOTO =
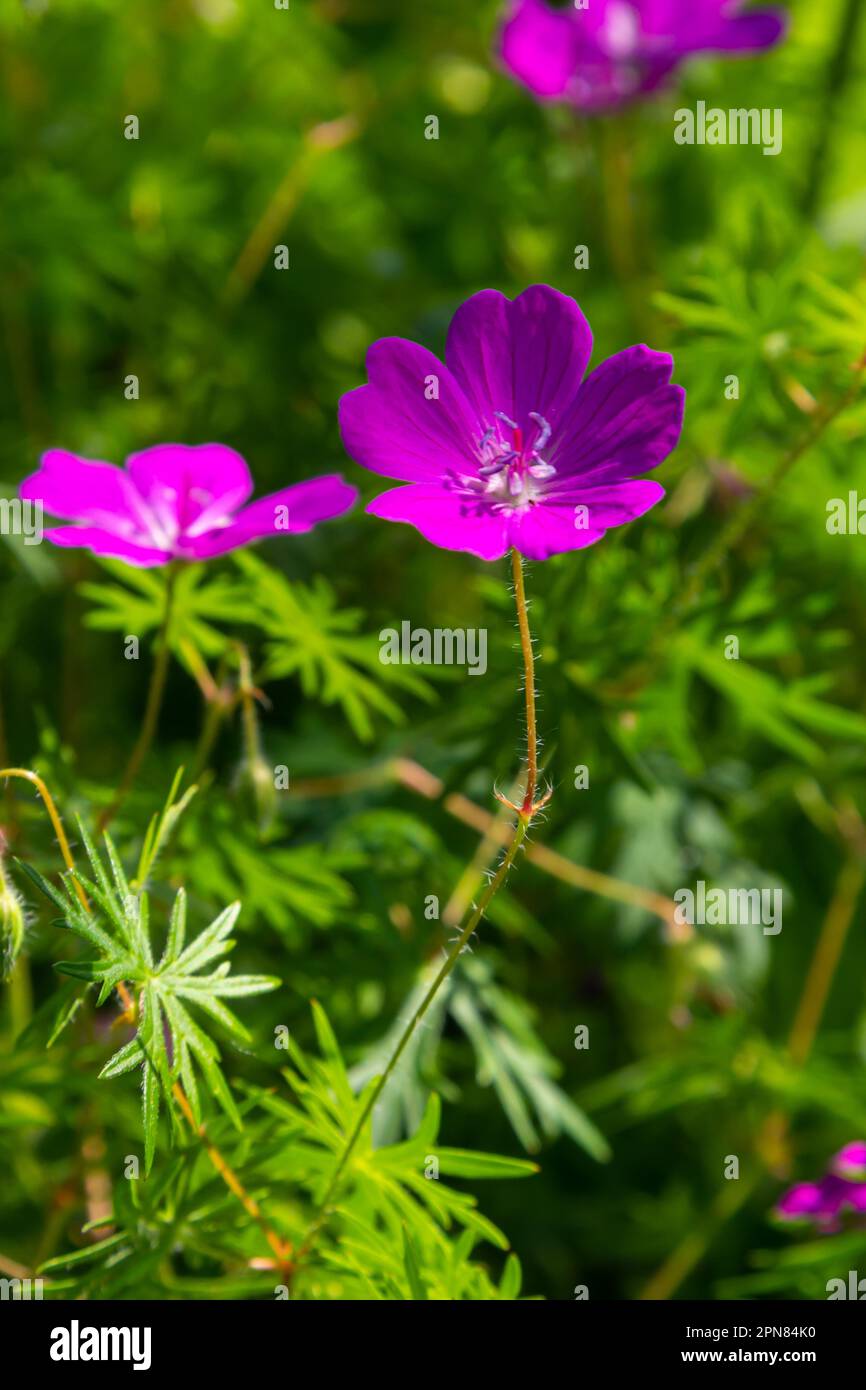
(525, 814)
(424, 783)
(57, 825)
(155, 694)
(529, 682)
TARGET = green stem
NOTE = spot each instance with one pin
(450, 961)
(525, 814)
(215, 713)
(616, 157)
(529, 673)
(835, 81)
(153, 705)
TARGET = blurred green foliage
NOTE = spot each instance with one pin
(154, 257)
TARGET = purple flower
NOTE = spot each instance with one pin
(173, 502)
(612, 51)
(507, 446)
(850, 1162)
(841, 1190)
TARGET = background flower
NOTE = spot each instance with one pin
(173, 502)
(841, 1190)
(508, 446)
(614, 50)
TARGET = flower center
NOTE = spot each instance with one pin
(511, 468)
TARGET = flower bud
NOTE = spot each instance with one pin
(257, 777)
(11, 924)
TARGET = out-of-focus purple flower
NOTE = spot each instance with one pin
(173, 502)
(612, 51)
(842, 1190)
(508, 445)
(850, 1162)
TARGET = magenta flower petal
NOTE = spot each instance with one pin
(850, 1162)
(518, 441)
(618, 503)
(528, 354)
(173, 502)
(746, 32)
(540, 47)
(841, 1190)
(614, 51)
(625, 420)
(81, 490)
(288, 512)
(412, 419)
(575, 524)
(189, 489)
(538, 536)
(108, 543)
(855, 1196)
(442, 518)
(478, 352)
(837, 1196)
(804, 1199)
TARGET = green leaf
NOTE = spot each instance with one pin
(319, 643)
(127, 1057)
(412, 1268)
(512, 1277)
(464, 1163)
(119, 928)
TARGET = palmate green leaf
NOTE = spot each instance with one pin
(834, 316)
(319, 643)
(286, 888)
(395, 1216)
(183, 1207)
(403, 1103)
(777, 710)
(509, 1056)
(201, 599)
(168, 1042)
